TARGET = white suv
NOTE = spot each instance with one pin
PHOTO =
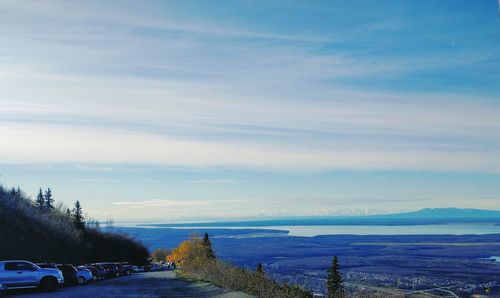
(23, 274)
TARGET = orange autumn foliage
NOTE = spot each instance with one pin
(187, 251)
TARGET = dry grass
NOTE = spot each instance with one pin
(238, 279)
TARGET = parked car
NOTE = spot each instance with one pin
(111, 268)
(3, 289)
(137, 269)
(70, 273)
(155, 267)
(119, 269)
(23, 274)
(127, 268)
(164, 267)
(152, 267)
(84, 275)
(95, 273)
(102, 272)
(171, 264)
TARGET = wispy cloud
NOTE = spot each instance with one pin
(98, 86)
(161, 203)
(172, 124)
(171, 203)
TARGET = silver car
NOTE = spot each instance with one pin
(84, 275)
(17, 274)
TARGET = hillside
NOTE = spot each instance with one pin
(54, 236)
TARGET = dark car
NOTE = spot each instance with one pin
(124, 268)
(96, 273)
(69, 272)
(102, 271)
(127, 268)
(120, 269)
(111, 268)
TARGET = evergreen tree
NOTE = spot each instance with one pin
(78, 218)
(68, 212)
(334, 283)
(49, 201)
(13, 192)
(40, 201)
(19, 193)
(260, 270)
(109, 224)
(16, 194)
(93, 224)
(208, 247)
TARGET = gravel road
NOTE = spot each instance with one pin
(150, 285)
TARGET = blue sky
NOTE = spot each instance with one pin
(168, 110)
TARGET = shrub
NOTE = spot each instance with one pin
(195, 262)
(160, 254)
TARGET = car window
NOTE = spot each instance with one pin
(11, 266)
(24, 267)
(18, 266)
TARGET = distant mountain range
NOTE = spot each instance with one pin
(447, 213)
(425, 216)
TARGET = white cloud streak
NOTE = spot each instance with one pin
(173, 203)
(35, 144)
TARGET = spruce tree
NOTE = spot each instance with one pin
(15, 193)
(260, 270)
(40, 201)
(208, 247)
(19, 193)
(49, 201)
(334, 283)
(78, 219)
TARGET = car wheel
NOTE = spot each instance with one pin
(81, 280)
(48, 284)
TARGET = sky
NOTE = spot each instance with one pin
(189, 110)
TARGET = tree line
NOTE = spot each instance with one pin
(43, 230)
